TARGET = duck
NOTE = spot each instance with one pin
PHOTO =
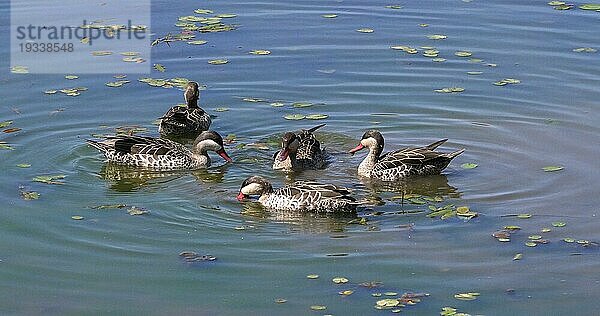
(300, 196)
(159, 153)
(185, 121)
(399, 164)
(300, 151)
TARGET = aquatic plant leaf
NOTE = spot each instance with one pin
(524, 216)
(569, 240)
(317, 116)
(339, 280)
(221, 109)
(585, 50)
(463, 54)
(197, 42)
(51, 179)
(512, 227)
(11, 130)
(534, 237)
(203, 11)
(294, 117)
(29, 195)
(260, 52)
(226, 15)
(19, 70)
(530, 244)
(590, 6)
(77, 217)
(474, 73)
(5, 123)
(318, 307)
(280, 300)
(468, 165)
(329, 16)
(218, 61)
(312, 276)
(346, 292)
(277, 104)
(23, 165)
(552, 168)
(365, 30)
(160, 67)
(437, 37)
(559, 224)
(518, 256)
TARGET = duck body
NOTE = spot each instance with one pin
(397, 165)
(160, 154)
(300, 196)
(300, 151)
(181, 121)
(185, 121)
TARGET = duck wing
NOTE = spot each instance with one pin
(139, 145)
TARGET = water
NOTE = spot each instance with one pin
(112, 262)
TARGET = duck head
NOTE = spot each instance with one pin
(211, 140)
(254, 185)
(192, 94)
(289, 144)
(371, 139)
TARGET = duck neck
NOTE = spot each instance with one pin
(200, 156)
(365, 167)
(192, 103)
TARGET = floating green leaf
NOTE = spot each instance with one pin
(437, 37)
(294, 117)
(552, 168)
(136, 211)
(19, 70)
(470, 296)
(388, 302)
(463, 54)
(23, 165)
(524, 216)
(160, 67)
(5, 124)
(28, 195)
(345, 292)
(512, 227)
(590, 6)
(4, 145)
(569, 240)
(330, 16)
(554, 3)
(585, 50)
(468, 165)
(77, 217)
(534, 237)
(318, 307)
(365, 30)
(280, 300)
(260, 52)
(474, 73)
(302, 104)
(316, 116)
(221, 109)
(312, 276)
(226, 15)
(339, 280)
(530, 244)
(203, 11)
(559, 224)
(197, 42)
(218, 61)
(277, 104)
(50, 179)
(518, 256)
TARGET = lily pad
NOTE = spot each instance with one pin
(51, 91)
(203, 11)
(518, 256)
(318, 307)
(29, 195)
(4, 145)
(388, 302)
(226, 15)
(585, 50)
(524, 216)
(468, 165)
(534, 237)
(280, 300)
(302, 104)
(312, 276)
(294, 117)
(590, 6)
(160, 67)
(345, 292)
(339, 280)
(50, 179)
(77, 217)
(5, 124)
(437, 37)
(365, 30)
(317, 116)
(23, 165)
(260, 52)
(101, 53)
(71, 77)
(221, 109)
(19, 70)
(330, 16)
(197, 42)
(569, 240)
(463, 54)
(555, 3)
(552, 168)
(474, 73)
(559, 224)
(277, 104)
(530, 244)
(218, 61)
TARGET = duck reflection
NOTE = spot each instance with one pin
(125, 178)
(305, 222)
(431, 186)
